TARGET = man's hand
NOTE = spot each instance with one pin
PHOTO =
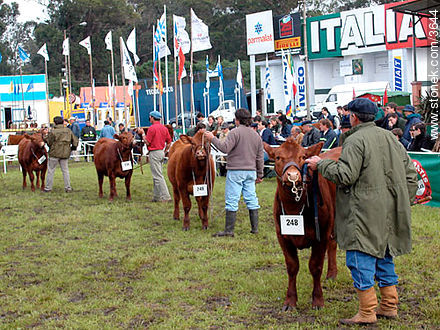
(313, 162)
(209, 136)
(259, 180)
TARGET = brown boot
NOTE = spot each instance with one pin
(367, 306)
(388, 302)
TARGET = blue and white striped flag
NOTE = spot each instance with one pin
(22, 54)
(268, 83)
(287, 83)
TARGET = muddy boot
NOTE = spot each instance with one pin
(229, 226)
(253, 216)
(388, 303)
(367, 308)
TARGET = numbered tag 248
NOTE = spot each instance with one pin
(200, 190)
(292, 224)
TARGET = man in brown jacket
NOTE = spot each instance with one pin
(61, 142)
(245, 168)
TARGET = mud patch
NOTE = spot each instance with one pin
(214, 303)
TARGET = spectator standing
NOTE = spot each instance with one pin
(74, 126)
(245, 168)
(412, 118)
(122, 128)
(372, 227)
(311, 134)
(158, 142)
(61, 142)
(328, 136)
(88, 134)
(107, 131)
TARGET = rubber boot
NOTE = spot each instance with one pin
(253, 216)
(229, 225)
(388, 302)
(367, 308)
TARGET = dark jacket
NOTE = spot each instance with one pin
(61, 141)
(310, 138)
(267, 136)
(329, 117)
(75, 129)
(412, 119)
(383, 122)
(376, 182)
(421, 141)
(330, 139)
(286, 130)
(88, 133)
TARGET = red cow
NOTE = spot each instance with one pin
(110, 156)
(190, 164)
(14, 139)
(295, 195)
(32, 156)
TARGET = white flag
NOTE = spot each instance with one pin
(239, 76)
(267, 85)
(183, 73)
(86, 44)
(130, 88)
(129, 71)
(199, 34)
(108, 41)
(66, 48)
(159, 36)
(181, 35)
(43, 52)
(131, 45)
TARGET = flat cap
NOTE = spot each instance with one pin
(362, 105)
(155, 114)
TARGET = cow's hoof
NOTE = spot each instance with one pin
(205, 227)
(185, 228)
(177, 219)
(128, 198)
(288, 308)
(316, 308)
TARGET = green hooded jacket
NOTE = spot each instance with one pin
(60, 141)
(376, 182)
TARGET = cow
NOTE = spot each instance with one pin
(110, 156)
(32, 156)
(299, 193)
(190, 164)
(15, 139)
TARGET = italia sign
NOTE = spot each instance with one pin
(363, 30)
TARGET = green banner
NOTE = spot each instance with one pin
(429, 174)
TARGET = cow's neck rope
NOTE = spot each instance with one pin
(300, 213)
(33, 153)
(120, 157)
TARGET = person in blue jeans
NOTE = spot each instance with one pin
(244, 163)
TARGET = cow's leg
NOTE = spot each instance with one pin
(186, 201)
(176, 195)
(43, 178)
(23, 171)
(202, 203)
(127, 186)
(37, 174)
(292, 264)
(100, 182)
(316, 264)
(31, 179)
(112, 179)
(332, 269)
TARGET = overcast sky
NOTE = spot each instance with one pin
(30, 10)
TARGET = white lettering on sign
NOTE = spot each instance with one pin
(314, 32)
(351, 34)
(301, 86)
(406, 29)
(200, 190)
(126, 166)
(292, 224)
(330, 25)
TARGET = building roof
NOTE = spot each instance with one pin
(418, 7)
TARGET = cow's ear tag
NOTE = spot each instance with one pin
(292, 224)
(126, 165)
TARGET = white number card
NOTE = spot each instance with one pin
(41, 159)
(200, 190)
(292, 224)
(126, 165)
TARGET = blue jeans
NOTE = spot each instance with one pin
(240, 182)
(365, 269)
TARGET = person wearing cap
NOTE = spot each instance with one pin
(107, 131)
(158, 141)
(311, 134)
(376, 183)
(244, 150)
(412, 118)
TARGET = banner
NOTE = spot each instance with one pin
(129, 70)
(199, 34)
(131, 45)
(287, 32)
(428, 168)
(43, 52)
(181, 35)
(108, 41)
(259, 33)
(86, 44)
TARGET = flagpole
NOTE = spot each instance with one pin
(22, 94)
(47, 90)
(154, 82)
(160, 83)
(182, 110)
(175, 72)
(123, 76)
(114, 84)
(166, 68)
(208, 85)
(191, 76)
(91, 77)
(306, 62)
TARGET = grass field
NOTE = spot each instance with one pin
(77, 261)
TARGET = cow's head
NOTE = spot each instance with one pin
(289, 163)
(36, 139)
(199, 145)
(126, 139)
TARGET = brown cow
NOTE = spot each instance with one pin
(32, 156)
(295, 195)
(190, 163)
(14, 139)
(109, 155)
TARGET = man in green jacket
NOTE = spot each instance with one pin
(376, 182)
(61, 141)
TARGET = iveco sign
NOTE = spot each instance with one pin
(363, 30)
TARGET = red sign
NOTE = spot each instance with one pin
(286, 26)
(399, 29)
(424, 191)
